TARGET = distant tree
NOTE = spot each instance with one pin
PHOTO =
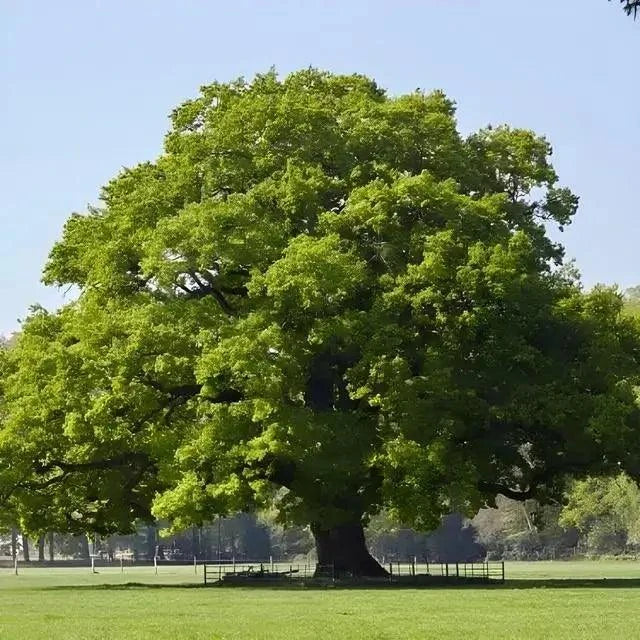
(524, 531)
(25, 548)
(287, 541)
(631, 299)
(607, 511)
(324, 301)
(454, 540)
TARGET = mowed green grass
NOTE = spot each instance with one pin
(540, 600)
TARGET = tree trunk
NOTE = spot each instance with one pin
(195, 547)
(41, 549)
(25, 548)
(51, 549)
(151, 542)
(14, 543)
(342, 551)
(84, 547)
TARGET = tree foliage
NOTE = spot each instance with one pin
(607, 510)
(323, 300)
(632, 301)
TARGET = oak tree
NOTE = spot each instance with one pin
(322, 300)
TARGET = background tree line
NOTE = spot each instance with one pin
(601, 517)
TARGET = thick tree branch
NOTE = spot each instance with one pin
(507, 492)
(274, 469)
(197, 280)
(187, 391)
(208, 290)
(122, 460)
(222, 301)
(180, 391)
(235, 291)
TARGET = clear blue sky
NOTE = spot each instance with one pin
(87, 85)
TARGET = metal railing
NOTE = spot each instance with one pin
(274, 571)
(397, 572)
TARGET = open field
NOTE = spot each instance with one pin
(540, 600)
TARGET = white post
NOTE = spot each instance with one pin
(93, 564)
(195, 565)
(15, 564)
(155, 564)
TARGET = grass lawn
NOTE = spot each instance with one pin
(540, 600)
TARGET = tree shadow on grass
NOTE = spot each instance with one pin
(573, 583)
(551, 583)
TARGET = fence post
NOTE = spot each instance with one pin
(195, 565)
(219, 572)
(415, 562)
(204, 570)
(503, 571)
(93, 564)
(155, 564)
(233, 560)
(457, 571)
(391, 572)
(446, 569)
(271, 563)
(121, 565)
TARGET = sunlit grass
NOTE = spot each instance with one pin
(76, 604)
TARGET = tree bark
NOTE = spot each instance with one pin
(151, 542)
(25, 548)
(14, 543)
(41, 549)
(51, 549)
(195, 546)
(342, 551)
(85, 554)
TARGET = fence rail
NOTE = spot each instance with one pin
(398, 572)
(260, 571)
(97, 562)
